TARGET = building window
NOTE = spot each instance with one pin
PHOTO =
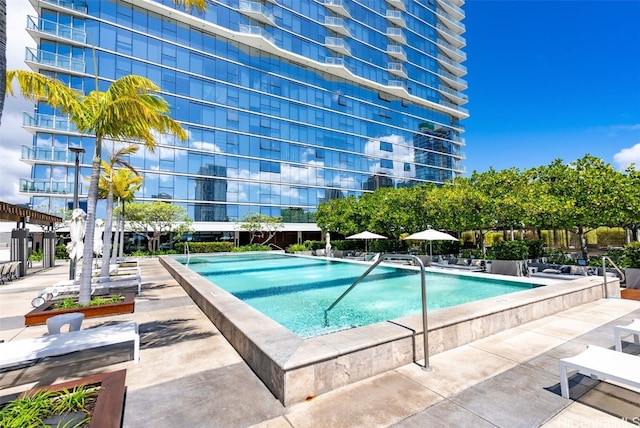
(386, 163)
(386, 146)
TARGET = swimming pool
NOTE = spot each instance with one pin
(296, 368)
(295, 291)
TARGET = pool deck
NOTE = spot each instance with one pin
(189, 375)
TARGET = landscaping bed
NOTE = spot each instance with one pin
(40, 314)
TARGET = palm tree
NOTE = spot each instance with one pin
(129, 110)
(125, 185)
(106, 190)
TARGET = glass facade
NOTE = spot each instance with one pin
(287, 103)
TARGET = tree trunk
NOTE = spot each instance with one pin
(583, 243)
(92, 200)
(108, 234)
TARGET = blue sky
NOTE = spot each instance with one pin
(547, 80)
(552, 79)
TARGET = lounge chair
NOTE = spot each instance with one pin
(17, 352)
(601, 363)
(626, 330)
(4, 272)
(99, 285)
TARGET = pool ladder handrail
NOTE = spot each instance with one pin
(380, 258)
(604, 273)
(186, 250)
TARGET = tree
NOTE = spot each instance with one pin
(125, 184)
(106, 190)
(156, 219)
(257, 224)
(129, 110)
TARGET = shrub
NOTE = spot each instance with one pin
(511, 250)
(36, 256)
(253, 247)
(61, 252)
(296, 247)
(206, 247)
(631, 256)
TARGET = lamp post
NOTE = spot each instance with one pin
(77, 151)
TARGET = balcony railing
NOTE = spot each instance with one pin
(396, 52)
(396, 35)
(49, 59)
(48, 154)
(67, 4)
(58, 123)
(396, 17)
(397, 69)
(336, 24)
(456, 94)
(451, 23)
(337, 44)
(338, 7)
(46, 186)
(458, 54)
(55, 29)
(257, 31)
(257, 11)
(455, 65)
(455, 38)
(452, 8)
(398, 4)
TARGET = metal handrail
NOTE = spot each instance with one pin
(186, 250)
(604, 273)
(382, 257)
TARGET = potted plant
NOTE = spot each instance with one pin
(630, 260)
(92, 401)
(99, 306)
(510, 258)
(298, 249)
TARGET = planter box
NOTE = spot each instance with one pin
(632, 277)
(509, 267)
(40, 314)
(107, 412)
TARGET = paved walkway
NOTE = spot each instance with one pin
(189, 376)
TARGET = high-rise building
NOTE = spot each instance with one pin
(287, 103)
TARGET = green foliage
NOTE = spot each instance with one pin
(252, 247)
(36, 256)
(72, 303)
(535, 248)
(510, 250)
(206, 247)
(295, 247)
(631, 255)
(61, 252)
(259, 224)
(156, 219)
(31, 410)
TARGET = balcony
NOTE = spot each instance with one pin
(451, 9)
(396, 35)
(397, 84)
(450, 22)
(338, 45)
(396, 17)
(398, 4)
(338, 7)
(47, 186)
(337, 25)
(39, 59)
(454, 107)
(456, 97)
(452, 52)
(36, 121)
(33, 155)
(396, 52)
(397, 69)
(452, 80)
(454, 67)
(257, 11)
(38, 26)
(254, 30)
(65, 5)
(449, 36)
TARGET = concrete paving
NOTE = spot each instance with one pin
(190, 376)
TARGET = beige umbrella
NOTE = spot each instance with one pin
(431, 235)
(366, 235)
(76, 231)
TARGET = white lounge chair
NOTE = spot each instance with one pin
(4, 272)
(602, 364)
(99, 285)
(20, 351)
(626, 330)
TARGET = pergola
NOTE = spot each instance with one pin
(19, 235)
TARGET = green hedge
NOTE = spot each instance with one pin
(205, 247)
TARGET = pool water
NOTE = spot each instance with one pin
(295, 291)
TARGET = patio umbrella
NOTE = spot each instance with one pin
(327, 248)
(431, 235)
(98, 242)
(366, 235)
(76, 229)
